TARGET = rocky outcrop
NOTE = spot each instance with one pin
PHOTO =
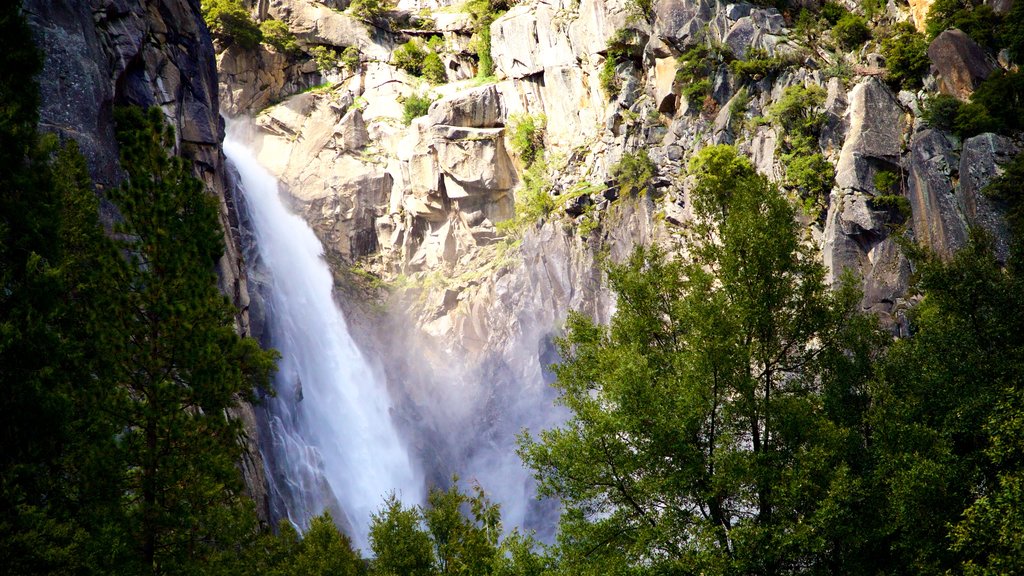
(937, 222)
(958, 63)
(253, 79)
(146, 53)
(980, 161)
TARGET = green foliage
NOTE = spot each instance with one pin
(851, 31)
(896, 204)
(1007, 189)
(368, 9)
(181, 471)
(799, 118)
(351, 58)
(277, 34)
(946, 405)
(1013, 32)
(906, 57)
(442, 539)
(433, 69)
(399, 542)
(757, 65)
(607, 78)
(696, 92)
(230, 22)
(885, 181)
(811, 174)
(682, 452)
(414, 106)
(484, 12)
(833, 12)
(940, 111)
(1002, 96)
(326, 58)
(996, 106)
(527, 138)
(639, 10)
(409, 57)
(978, 21)
(797, 112)
(873, 8)
(972, 119)
(533, 199)
(633, 171)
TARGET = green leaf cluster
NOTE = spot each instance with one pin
(996, 106)
(455, 534)
(799, 118)
(697, 438)
(277, 34)
(230, 22)
(633, 172)
(906, 57)
(418, 60)
(527, 136)
(414, 106)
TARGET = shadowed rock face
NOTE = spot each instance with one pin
(105, 53)
(959, 63)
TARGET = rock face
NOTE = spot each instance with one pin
(958, 63)
(107, 53)
(253, 79)
(428, 206)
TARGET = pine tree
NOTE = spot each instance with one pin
(181, 365)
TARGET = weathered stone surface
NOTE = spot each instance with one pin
(979, 163)
(937, 220)
(250, 80)
(528, 38)
(873, 142)
(314, 23)
(679, 23)
(958, 63)
(760, 29)
(664, 85)
(475, 159)
(479, 108)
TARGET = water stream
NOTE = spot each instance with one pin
(334, 445)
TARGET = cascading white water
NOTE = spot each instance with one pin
(334, 441)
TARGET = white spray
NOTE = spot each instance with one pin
(332, 431)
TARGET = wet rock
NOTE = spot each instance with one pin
(959, 63)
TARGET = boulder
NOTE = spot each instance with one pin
(876, 125)
(478, 108)
(680, 23)
(959, 63)
(979, 164)
(474, 161)
(937, 220)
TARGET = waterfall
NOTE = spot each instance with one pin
(334, 445)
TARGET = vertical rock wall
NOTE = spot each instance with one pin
(105, 53)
